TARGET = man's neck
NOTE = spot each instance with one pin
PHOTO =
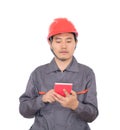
(62, 65)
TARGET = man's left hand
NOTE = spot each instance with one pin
(69, 101)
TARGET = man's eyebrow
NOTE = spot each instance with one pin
(69, 38)
(57, 38)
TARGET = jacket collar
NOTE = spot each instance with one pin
(72, 67)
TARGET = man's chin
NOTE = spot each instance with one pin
(62, 58)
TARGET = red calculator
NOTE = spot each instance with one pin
(58, 88)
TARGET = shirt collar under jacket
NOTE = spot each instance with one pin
(72, 67)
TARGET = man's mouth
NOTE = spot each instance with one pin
(63, 52)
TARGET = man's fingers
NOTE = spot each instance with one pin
(58, 97)
(73, 93)
(66, 92)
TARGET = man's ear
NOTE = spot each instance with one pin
(76, 44)
(49, 42)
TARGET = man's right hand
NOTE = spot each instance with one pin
(48, 97)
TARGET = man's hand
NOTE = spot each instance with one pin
(70, 101)
(48, 97)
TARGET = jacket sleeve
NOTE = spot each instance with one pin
(88, 108)
(30, 101)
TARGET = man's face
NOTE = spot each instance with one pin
(63, 45)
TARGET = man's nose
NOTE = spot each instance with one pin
(63, 44)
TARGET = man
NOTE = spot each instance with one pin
(51, 110)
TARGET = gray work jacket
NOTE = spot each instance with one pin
(52, 116)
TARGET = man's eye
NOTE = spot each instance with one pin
(69, 41)
(58, 41)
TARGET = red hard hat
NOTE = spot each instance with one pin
(61, 25)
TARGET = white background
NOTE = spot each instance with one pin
(23, 46)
